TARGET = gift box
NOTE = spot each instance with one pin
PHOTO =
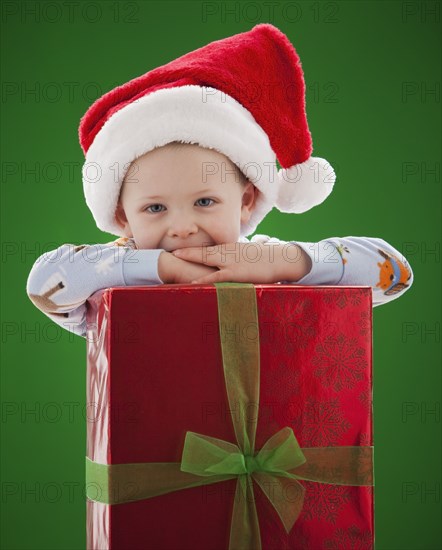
(229, 416)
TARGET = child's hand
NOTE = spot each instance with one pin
(248, 262)
(173, 270)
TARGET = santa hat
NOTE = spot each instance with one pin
(243, 96)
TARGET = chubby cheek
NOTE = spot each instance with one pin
(225, 232)
(144, 237)
(145, 240)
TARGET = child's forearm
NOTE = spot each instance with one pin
(356, 261)
(293, 263)
(61, 281)
(165, 267)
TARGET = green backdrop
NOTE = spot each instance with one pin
(372, 72)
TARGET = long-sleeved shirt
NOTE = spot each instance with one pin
(61, 281)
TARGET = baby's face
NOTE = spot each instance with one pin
(181, 197)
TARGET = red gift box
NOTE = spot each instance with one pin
(155, 373)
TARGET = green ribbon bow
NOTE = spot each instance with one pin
(206, 460)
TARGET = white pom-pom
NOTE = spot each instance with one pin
(305, 185)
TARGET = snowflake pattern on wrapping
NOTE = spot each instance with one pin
(324, 501)
(342, 298)
(365, 398)
(364, 439)
(298, 324)
(364, 323)
(350, 539)
(320, 424)
(340, 362)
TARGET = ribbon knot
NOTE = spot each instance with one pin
(209, 456)
(251, 464)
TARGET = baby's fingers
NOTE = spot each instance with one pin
(206, 255)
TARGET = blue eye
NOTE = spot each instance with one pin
(151, 206)
(154, 210)
(206, 199)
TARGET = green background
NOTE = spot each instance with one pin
(370, 68)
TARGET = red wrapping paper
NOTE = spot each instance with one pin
(155, 372)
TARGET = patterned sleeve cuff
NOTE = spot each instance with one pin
(140, 267)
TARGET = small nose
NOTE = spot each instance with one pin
(182, 226)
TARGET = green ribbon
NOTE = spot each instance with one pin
(276, 467)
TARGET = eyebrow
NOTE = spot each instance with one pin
(155, 197)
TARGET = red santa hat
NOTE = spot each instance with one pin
(243, 96)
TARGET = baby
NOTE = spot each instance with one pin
(181, 166)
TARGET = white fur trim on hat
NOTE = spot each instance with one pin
(191, 114)
(304, 185)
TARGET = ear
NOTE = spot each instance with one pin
(250, 194)
(121, 219)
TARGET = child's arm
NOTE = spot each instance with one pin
(354, 261)
(61, 281)
(346, 261)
